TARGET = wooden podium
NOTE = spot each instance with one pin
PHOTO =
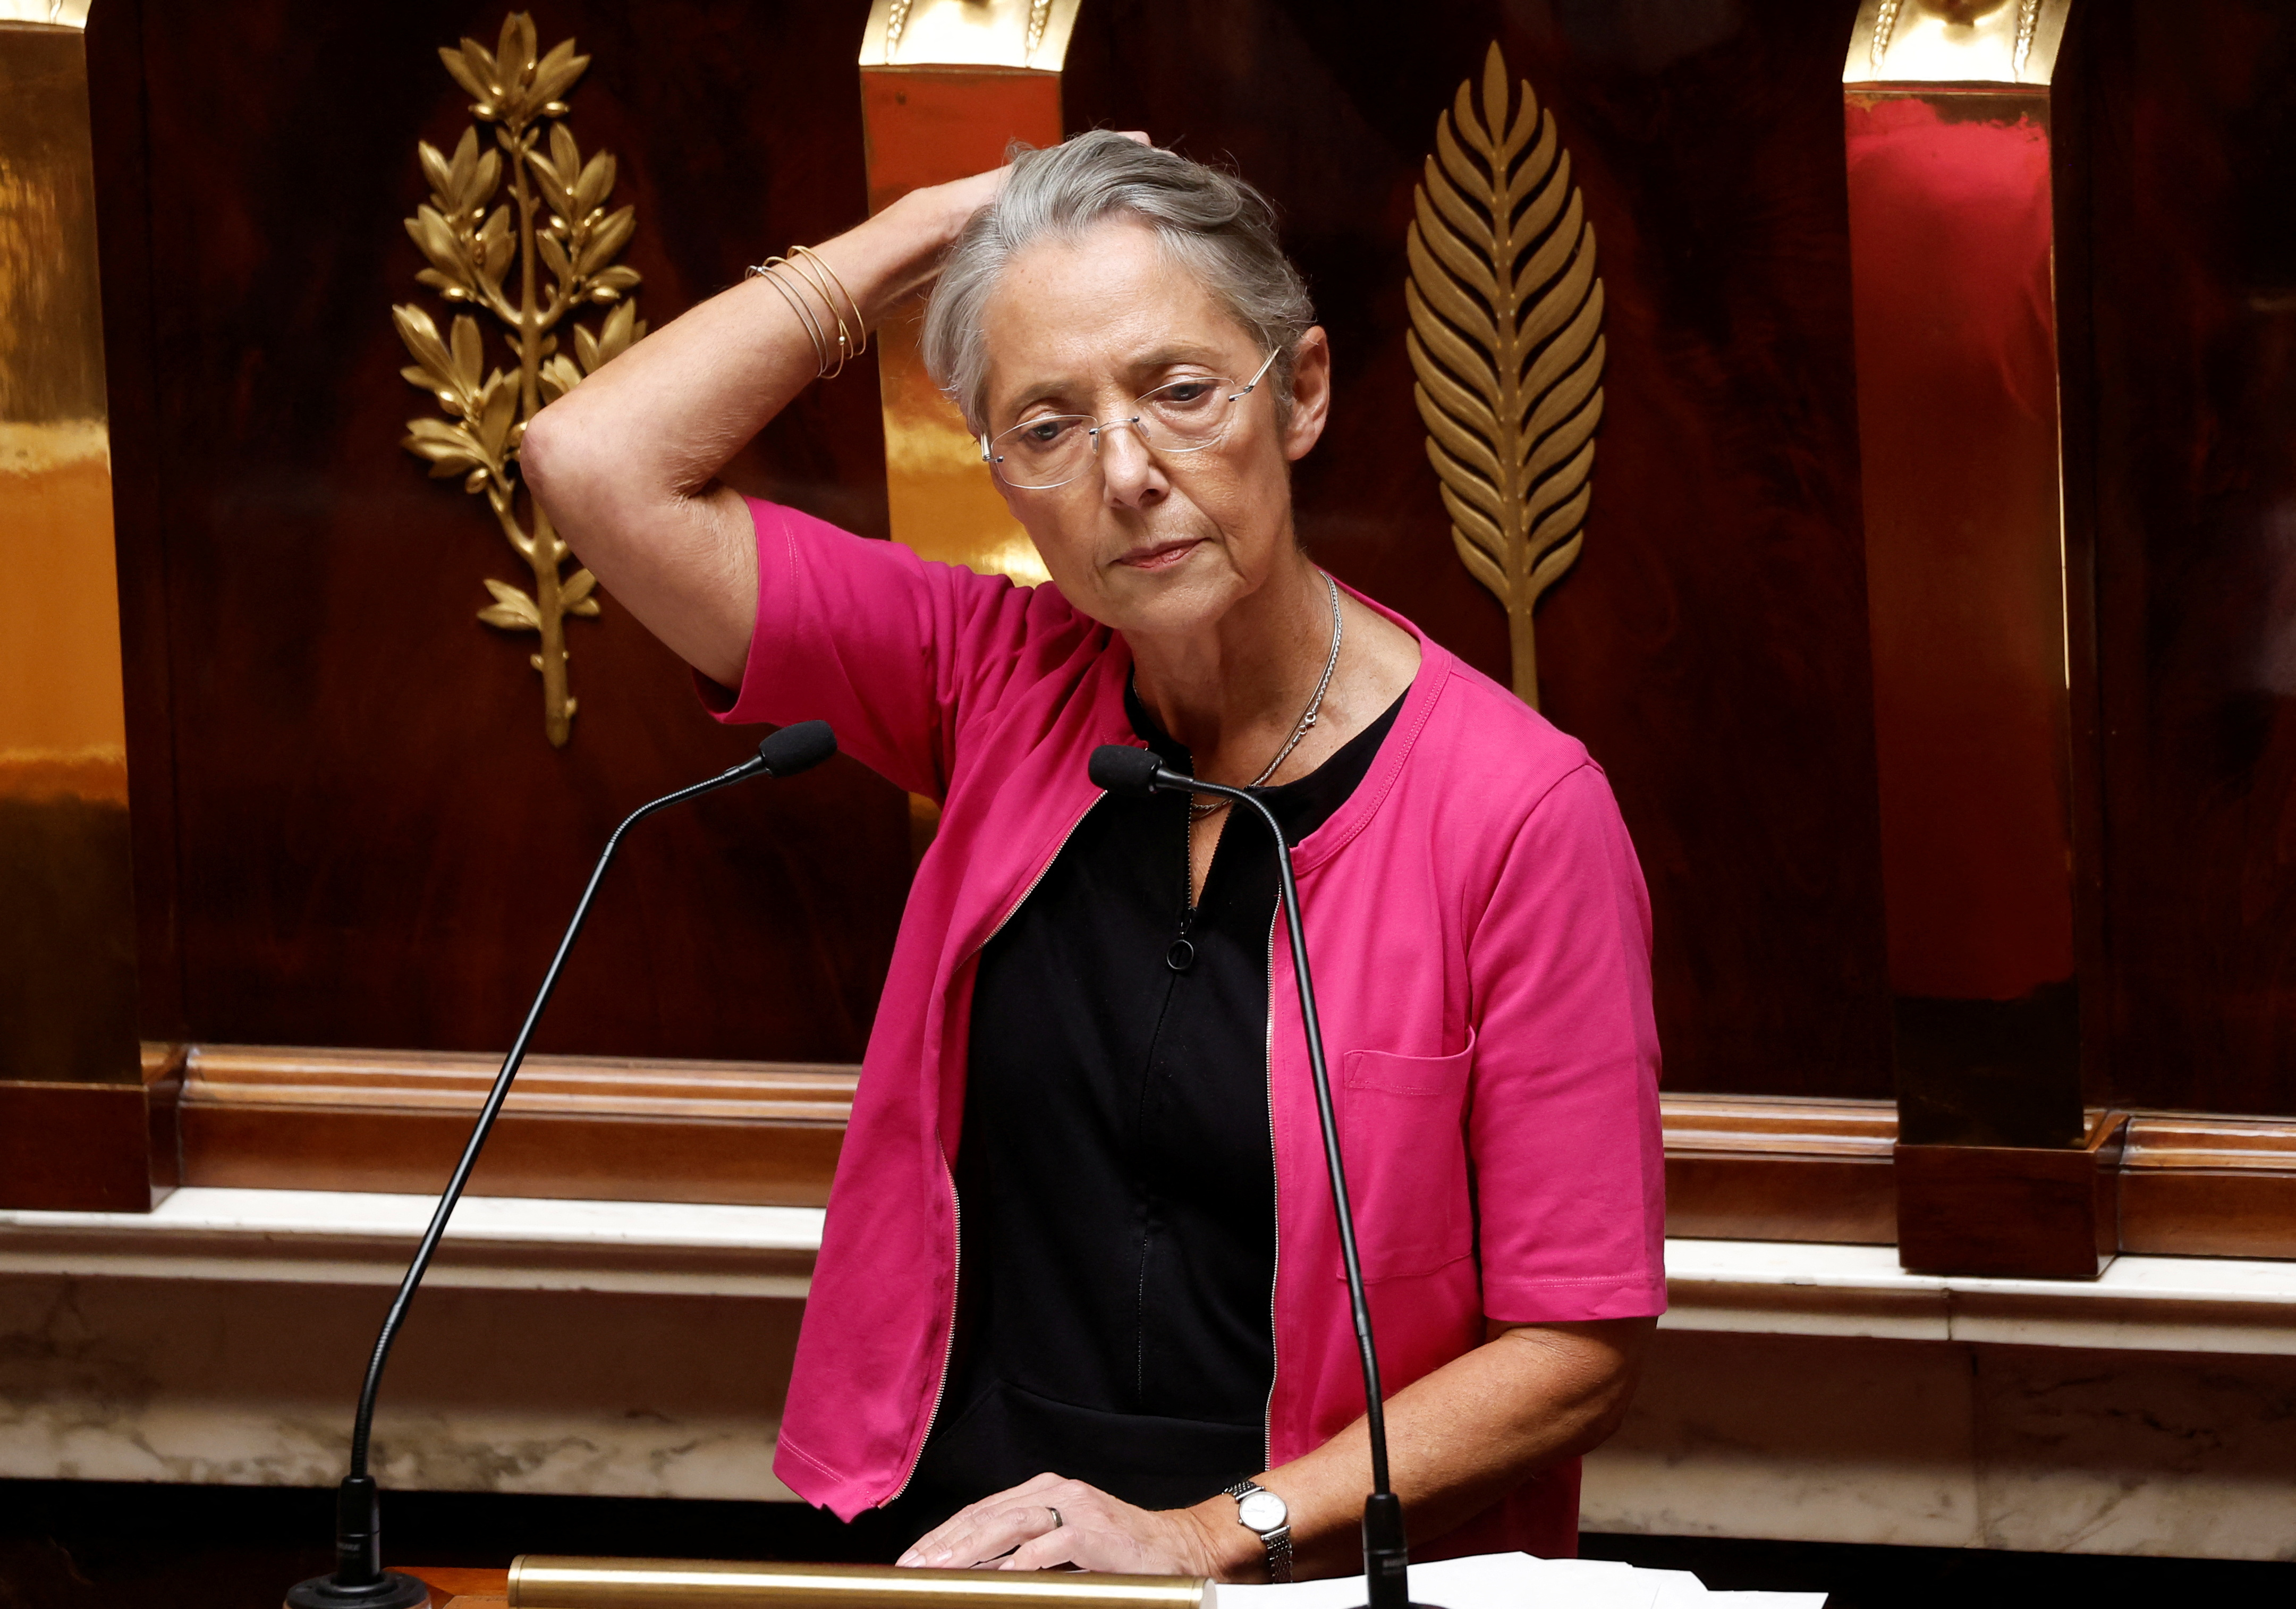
(461, 1589)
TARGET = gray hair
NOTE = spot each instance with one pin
(1211, 222)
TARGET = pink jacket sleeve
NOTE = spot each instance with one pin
(897, 653)
(1563, 1122)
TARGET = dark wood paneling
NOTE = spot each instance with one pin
(466, 1588)
(1737, 1167)
(1710, 647)
(2200, 1187)
(2013, 1211)
(68, 942)
(350, 832)
(115, 75)
(93, 1147)
(2195, 115)
(360, 837)
(580, 1128)
(1780, 1168)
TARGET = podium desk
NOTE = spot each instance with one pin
(461, 1588)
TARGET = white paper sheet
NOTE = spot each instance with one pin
(1516, 1581)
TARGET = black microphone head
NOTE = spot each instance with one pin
(1120, 769)
(798, 748)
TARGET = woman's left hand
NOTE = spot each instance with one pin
(1051, 1521)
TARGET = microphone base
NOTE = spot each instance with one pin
(393, 1591)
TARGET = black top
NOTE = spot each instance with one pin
(1116, 1176)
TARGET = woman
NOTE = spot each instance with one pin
(1087, 1035)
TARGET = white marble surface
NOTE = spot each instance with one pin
(634, 1348)
(1956, 1444)
(205, 1381)
(1800, 1438)
(2185, 1304)
(2105, 1452)
(201, 1210)
(495, 1243)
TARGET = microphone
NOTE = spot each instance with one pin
(360, 1582)
(1136, 774)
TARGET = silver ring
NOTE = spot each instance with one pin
(1057, 1521)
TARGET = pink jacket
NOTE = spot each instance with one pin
(1481, 940)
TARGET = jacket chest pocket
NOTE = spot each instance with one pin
(1403, 1133)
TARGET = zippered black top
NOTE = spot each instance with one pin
(1116, 1165)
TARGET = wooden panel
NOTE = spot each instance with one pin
(2209, 1187)
(367, 842)
(1710, 647)
(1776, 1169)
(115, 112)
(360, 837)
(87, 1147)
(1738, 1168)
(2195, 314)
(349, 829)
(583, 1127)
(450, 1586)
(1780, 1168)
(2013, 1210)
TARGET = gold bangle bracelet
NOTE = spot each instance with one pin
(803, 316)
(800, 281)
(847, 346)
(858, 322)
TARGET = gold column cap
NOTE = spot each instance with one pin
(56, 14)
(1955, 41)
(1032, 33)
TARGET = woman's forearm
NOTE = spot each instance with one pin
(627, 462)
(1458, 1440)
(665, 417)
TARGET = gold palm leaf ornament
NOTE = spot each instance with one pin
(490, 255)
(1505, 339)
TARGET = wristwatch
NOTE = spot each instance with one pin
(1262, 1512)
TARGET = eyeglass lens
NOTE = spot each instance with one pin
(1186, 416)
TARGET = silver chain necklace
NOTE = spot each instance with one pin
(1197, 812)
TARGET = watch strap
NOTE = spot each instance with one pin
(1277, 1542)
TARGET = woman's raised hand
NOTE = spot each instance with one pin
(958, 200)
(1051, 1522)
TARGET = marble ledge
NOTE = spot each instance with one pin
(2185, 1304)
(493, 1242)
(2175, 1304)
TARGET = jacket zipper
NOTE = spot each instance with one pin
(1275, 1182)
(957, 1205)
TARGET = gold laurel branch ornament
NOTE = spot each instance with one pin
(489, 255)
(1506, 340)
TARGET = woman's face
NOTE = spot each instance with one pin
(1147, 544)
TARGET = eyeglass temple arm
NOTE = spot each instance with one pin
(1260, 374)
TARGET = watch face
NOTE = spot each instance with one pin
(1262, 1511)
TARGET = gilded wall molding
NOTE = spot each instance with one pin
(1957, 41)
(1032, 34)
(489, 255)
(1506, 340)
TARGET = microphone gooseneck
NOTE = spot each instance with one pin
(359, 1581)
(1136, 773)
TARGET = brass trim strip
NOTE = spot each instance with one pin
(542, 1581)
